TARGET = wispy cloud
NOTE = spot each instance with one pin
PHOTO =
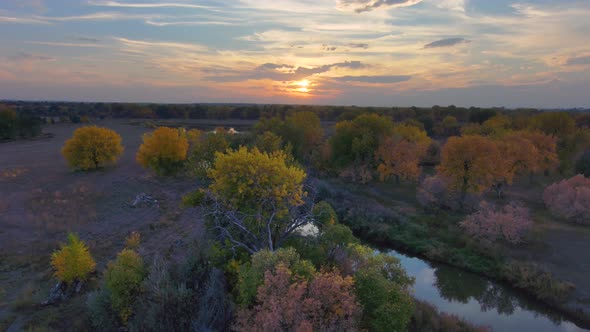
(374, 79)
(360, 6)
(23, 20)
(147, 5)
(447, 42)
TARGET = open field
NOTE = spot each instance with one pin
(41, 199)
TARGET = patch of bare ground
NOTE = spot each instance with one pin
(41, 200)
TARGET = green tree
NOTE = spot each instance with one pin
(123, 279)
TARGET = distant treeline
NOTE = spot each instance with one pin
(13, 124)
(429, 117)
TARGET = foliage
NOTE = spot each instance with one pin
(427, 318)
(382, 287)
(400, 154)
(91, 147)
(583, 164)
(22, 124)
(257, 199)
(570, 199)
(123, 279)
(287, 302)
(571, 147)
(356, 141)
(510, 223)
(133, 240)
(449, 126)
(102, 315)
(304, 132)
(558, 124)
(269, 142)
(203, 150)
(324, 214)
(470, 164)
(72, 262)
(251, 275)
(164, 150)
(538, 281)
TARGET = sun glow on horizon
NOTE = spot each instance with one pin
(303, 86)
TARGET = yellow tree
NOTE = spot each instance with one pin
(72, 262)
(257, 199)
(470, 163)
(304, 131)
(164, 150)
(91, 147)
(400, 154)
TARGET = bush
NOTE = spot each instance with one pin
(510, 223)
(289, 302)
(100, 310)
(538, 281)
(164, 150)
(72, 262)
(427, 318)
(92, 147)
(583, 164)
(433, 194)
(324, 214)
(123, 279)
(570, 199)
(251, 275)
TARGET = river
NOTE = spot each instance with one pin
(479, 300)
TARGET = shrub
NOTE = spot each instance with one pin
(535, 279)
(133, 240)
(164, 150)
(72, 262)
(427, 318)
(433, 194)
(287, 302)
(123, 279)
(570, 199)
(324, 214)
(583, 164)
(92, 147)
(100, 311)
(510, 223)
(251, 275)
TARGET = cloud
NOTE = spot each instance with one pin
(359, 45)
(145, 5)
(447, 42)
(22, 56)
(374, 79)
(277, 72)
(60, 44)
(22, 20)
(329, 48)
(360, 6)
(578, 61)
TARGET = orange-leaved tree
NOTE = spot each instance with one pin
(92, 147)
(470, 163)
(164, 150)
(400, 154)
(72, 262)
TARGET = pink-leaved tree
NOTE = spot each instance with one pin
(510, 222)
(570, 199)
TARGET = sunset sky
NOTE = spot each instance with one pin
(343, 52)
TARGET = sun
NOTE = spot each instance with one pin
(303, 86)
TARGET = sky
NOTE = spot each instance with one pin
(481, 53)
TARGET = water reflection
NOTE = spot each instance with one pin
(480, 300)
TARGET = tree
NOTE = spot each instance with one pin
(269, 142)
(510, 223)
(324, 214)
(92, 147)
(570, 199)
(583, 164)
(164, 150)
(123, 279)
(357, 140)
(257, 200)
(7, 123)
(203, 150)
(558, 124)
(401, 153)
(448, 127)
(287, 302)
(470, 164)
(381, 286)
(72, 262)
(304, 131)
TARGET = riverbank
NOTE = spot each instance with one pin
(437, 238)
